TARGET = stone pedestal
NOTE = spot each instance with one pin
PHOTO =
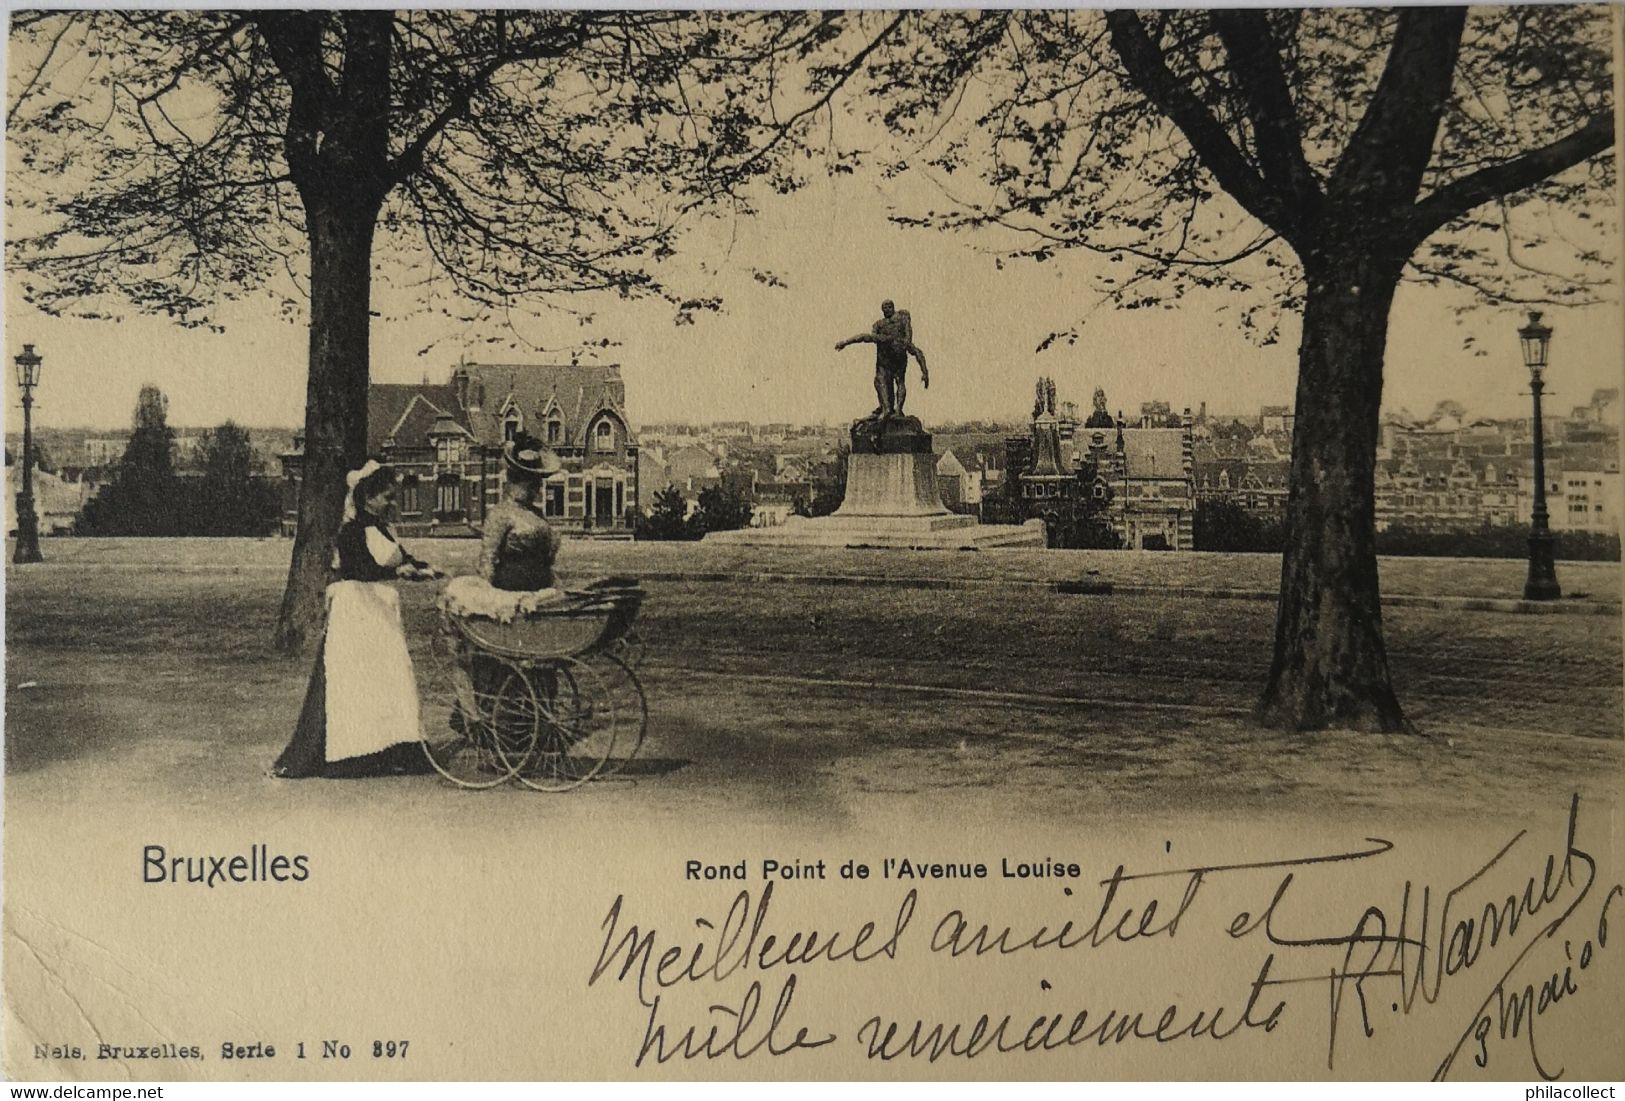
(891, 501)
(893, 485)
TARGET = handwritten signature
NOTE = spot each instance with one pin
(1421, 943)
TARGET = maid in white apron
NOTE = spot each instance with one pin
(360, 716)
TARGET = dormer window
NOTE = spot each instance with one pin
(555, 430)
(511, 425)
(604, 436)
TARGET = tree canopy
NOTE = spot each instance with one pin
(1206, 149)
(513, 155)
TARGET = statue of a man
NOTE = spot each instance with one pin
(893, 338)
(1100, 418)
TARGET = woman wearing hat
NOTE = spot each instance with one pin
(519, 546)
(360, 716)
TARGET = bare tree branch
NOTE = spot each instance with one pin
(1391, 147)
(1256, 61)
(1148, 68)
(1460, 196)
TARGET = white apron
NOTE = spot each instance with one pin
(372, 696)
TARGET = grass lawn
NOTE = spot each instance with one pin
(1446, 577)
(141, 668)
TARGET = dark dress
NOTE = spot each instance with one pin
(518, 548)
(306, 753)
(517, 551)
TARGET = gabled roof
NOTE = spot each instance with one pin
(949, 465)
(581, 391)
(478, 395)
(387, 403)
(417, 420)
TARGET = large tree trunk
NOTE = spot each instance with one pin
(337, 145)
(335, 402)
(1330, 666)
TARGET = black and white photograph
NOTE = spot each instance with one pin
(814, 545)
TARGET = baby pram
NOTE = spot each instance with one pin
(539, 688)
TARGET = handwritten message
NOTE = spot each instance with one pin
(1514, 935)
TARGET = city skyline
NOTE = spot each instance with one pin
(769, 357)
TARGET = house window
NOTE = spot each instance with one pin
(510, 426)
(553, 501)
(604, 436)
(449, 497)
(409, 495)
(555, 430)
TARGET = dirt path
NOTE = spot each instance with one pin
(800, 699)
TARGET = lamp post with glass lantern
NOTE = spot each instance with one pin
(1536, 340)
(27, 549)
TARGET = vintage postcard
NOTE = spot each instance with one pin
(944, 544)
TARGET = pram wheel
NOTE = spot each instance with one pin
(576, 729)
(631, 709)
(480, 715)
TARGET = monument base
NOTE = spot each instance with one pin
(889, 532)
(891, 501)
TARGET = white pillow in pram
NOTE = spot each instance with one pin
(476, 597)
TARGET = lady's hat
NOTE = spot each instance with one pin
(530, 457)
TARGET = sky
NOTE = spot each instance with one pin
(769, 356)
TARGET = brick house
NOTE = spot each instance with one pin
(446, 440)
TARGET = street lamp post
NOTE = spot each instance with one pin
(1542, 583)
(27, 549)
